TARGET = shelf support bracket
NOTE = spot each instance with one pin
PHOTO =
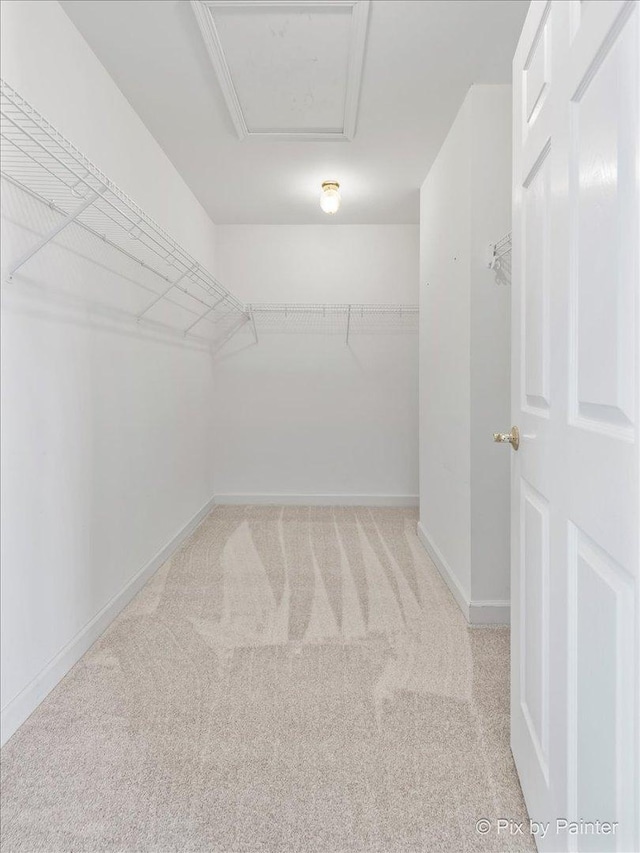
(244, 319)
(253, 323)
(88, 201)
(206, 314)
(164, 292)
(348, 323)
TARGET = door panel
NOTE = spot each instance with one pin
(575, 388)
(535, 358)
(534, 609)
(600, 682)
(603, 208)
(536, 74)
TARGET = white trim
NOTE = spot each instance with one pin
(357, 40)
(443, 567)
(216, 55)
(24, 704)
(490, 612)
(296, 135)
(317, 500)
(476, 612)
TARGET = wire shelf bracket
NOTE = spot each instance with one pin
(71, 217)
(499, 251)
(166, 292)
(253, 323)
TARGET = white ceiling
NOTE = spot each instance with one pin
(287, 70)
(290, 69)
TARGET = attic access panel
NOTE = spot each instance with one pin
(288, 69)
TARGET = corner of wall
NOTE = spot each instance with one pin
(470, 179)
(476, 612)
(448, 575)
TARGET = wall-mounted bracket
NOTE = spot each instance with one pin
(236, 328)
(499, 251)
(206, 314)
(165, 292)
(89, 200)
(253, 323)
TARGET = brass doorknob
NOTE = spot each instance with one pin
(512, 438)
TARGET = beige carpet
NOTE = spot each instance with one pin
(293, 679)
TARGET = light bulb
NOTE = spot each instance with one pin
(330, 197)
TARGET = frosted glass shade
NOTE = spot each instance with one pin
(330, 197)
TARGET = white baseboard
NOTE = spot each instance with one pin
(445, 570)
(489, 612)
(475, 612)
(24, 704)
(318, 500)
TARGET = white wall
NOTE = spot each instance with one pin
(445, 227)
(106, 429)
(490, 345)
(302, 414)
(465, 204)
(319, 263)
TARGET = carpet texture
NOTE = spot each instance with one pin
(292, 679)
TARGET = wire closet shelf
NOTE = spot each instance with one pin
(501, 252)
(40, 161)
(341, 318)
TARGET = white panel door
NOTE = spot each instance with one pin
(575, 397)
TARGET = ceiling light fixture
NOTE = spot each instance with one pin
(330, 196)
